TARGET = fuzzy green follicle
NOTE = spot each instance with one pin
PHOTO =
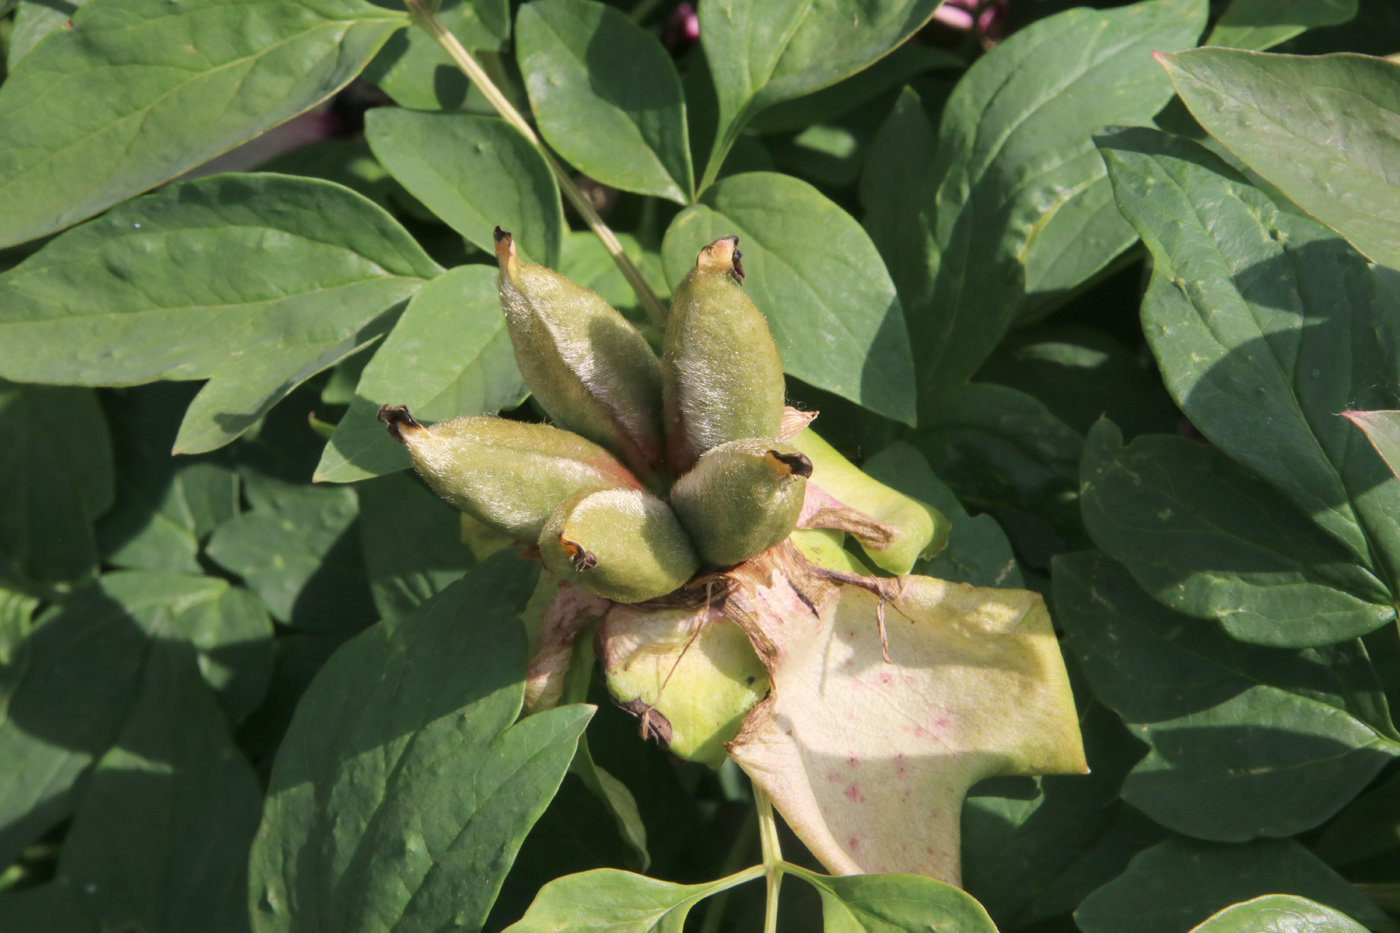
(508, 475)
(723, 377)
(620, 544)
(742, 498)
(589, 369)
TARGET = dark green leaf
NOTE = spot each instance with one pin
(448, 355)
(1260, 24)
(1178, 883)
(1209, 539)
(256, 282)
(166, 505)
(1366, 827)
(998, 447)
(179, 85)
(412, 542)
(977, 551)
(417, 72)
(1383, 431)
(815, 274)
(1081, 374)
(82, 675)
(607, 900)
(299, 550)
(1317, 127)
(1246, 741)
(56, 478)
(606, 96)
(1022, 856)
(1279, 913)
(56, 907)
(476, 173)
(862, 88)
(895, 169)
(16, 624)
(894, 904)
(763, 53)
(233, 636)
(161, 838)
(1016, 203)
(402, 791)
(1266, 326)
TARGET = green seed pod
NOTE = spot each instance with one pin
(621, 544)
(723, 375)
(741, 498)
(506, 474)
(590, 370)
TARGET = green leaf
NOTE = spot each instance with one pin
(417, 72)
(1265, 326)
(233, 635)
(585, 260)
(56, 907)
(611, 901)
(1366, 827)
(56, 478)
(166, 505)
(977, 551)
(997, 447)
(895, 168)
(1082, 374)
(1179, 883)
(606, 96)
(1030, 859)
(1246, 741)
(1211, 540)
(298, 549)
(1016, 203)
(1260, 24)
(402, 791)
(476, 173)
(33, 21)
(819, 280)
(82, 676)
(890, 903)
(448, 355)
(1319, 128)
(760, 54)
(412, 542)
(179, 85)
(256, 282)
(1383, 431)
(1279, 913)
(161, 838)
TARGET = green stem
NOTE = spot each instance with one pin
(772, 857)
(429, 21)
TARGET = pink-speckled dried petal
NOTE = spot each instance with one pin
(571, 609)
(869, 761)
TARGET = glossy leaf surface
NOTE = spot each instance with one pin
(1250, 315)
(180, 83)
(1016, 200)
(476, 173)
(176, 263)
(1320, 128)
(1279, 913)
(1213, 541)
(402, 791)
(606, 96)
(1246, 742)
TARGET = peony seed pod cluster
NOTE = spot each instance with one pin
(654, 468)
